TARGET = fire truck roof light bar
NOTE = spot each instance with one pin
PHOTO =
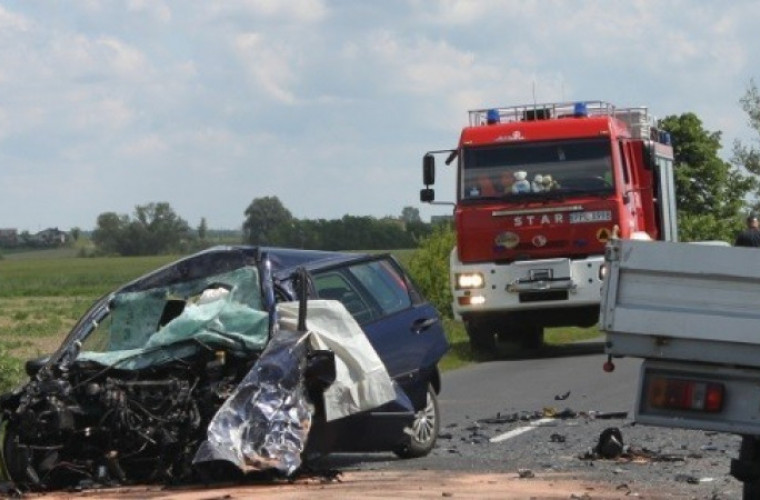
(542, 111)
(641, 124)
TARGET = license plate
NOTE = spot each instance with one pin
(592, 216)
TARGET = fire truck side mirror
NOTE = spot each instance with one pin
(428, 170)
(427, 195)
(647, 154)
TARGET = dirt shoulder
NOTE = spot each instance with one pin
(393, 484)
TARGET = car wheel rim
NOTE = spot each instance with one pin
(424, 423)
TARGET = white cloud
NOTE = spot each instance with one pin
(327, 105)
(155, 8)
(102, 114)
(268, 65)
(292, 11)
(143, 147)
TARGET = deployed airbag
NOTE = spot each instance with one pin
(362, 382)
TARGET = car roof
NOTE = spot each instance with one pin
(287, 259)
(284, 261)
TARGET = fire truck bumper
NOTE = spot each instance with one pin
(523, 285)
(518, 286)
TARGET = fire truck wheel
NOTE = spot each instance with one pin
(532, 337)
(482, 336)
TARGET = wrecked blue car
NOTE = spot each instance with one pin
(227, 362)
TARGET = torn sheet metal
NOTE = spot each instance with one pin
(362, 381)
(264, 424)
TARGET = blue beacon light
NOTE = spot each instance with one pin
(580, 110)
(492, 116)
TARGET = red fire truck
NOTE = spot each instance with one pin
(541, 188)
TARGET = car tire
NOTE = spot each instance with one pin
(16, 461)
(424, 430)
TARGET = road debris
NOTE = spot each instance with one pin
(525, 473)
(557, 438)
(610, 443)
(562, 397)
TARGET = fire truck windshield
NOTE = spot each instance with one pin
(528, 168)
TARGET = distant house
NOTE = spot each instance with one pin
(51, 237)
(8, 237)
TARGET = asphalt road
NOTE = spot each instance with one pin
(544, 415)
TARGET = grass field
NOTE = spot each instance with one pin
(42, 295)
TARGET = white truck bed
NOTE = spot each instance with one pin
(682, 301)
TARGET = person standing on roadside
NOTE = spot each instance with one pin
(750, 237)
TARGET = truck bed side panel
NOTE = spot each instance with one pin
(655, 305)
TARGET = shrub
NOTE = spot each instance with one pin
(430, 267)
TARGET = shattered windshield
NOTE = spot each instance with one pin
(143, 327)
(522, 169)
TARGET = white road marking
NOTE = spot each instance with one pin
(521, 430)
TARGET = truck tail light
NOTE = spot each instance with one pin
(685, 394)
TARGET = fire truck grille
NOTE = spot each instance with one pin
(543, 296)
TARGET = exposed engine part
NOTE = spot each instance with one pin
(105, 429)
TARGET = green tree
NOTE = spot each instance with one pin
(158, 229)
(709, 190)
(155, 229)
(410, 214)
(110, 231)
(748, 157)
(267, 222)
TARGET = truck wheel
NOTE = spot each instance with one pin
(532, 338)
(749, 457)
(424, 431)
(750, 490)
(482, 336)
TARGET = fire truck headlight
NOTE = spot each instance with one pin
(470, 281)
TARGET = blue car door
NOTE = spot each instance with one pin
(405, 330)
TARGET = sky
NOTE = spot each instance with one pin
(329, 105)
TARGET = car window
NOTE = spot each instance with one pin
(384, 284)
(369, 290)
(335, 285)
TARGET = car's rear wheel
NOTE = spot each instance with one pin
(16, 461)
(423, 433)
